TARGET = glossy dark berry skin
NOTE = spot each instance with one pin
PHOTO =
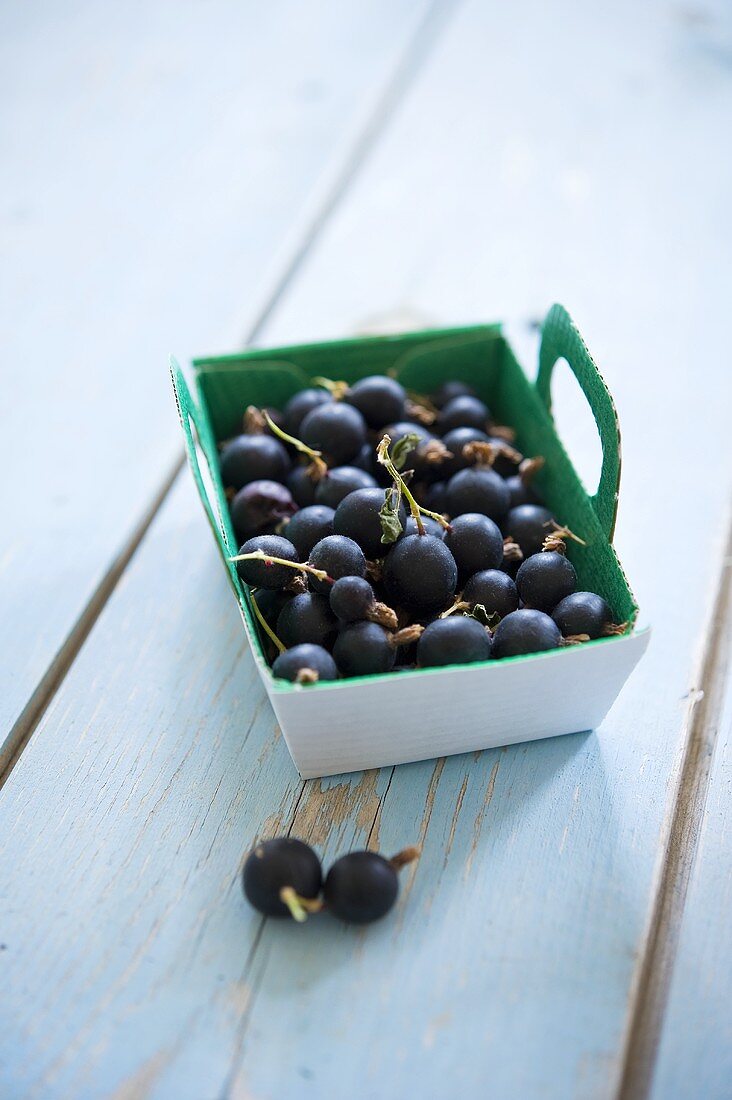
(504, 464)
(270, 602)
(306, 656)
(525, 631)
(463, 412)
(357, 517)
(431, 526)
(582, 613)
(420, 573)
(436, 497)
(253, 458)
(528, 525)
(259, 507)
(475, 542)
(339, 482)
(307, 617)
(520, 492)
(337, 430)
(339, 557)
(494, 590)
(544, 579)
(360, 887)
(448, 390)
(260, 575)
(298, 407)
(301, 486)
(477, 490)
(309, 526)
(351, 599)
(277, 863)
(363, 649)
(457, 640)
(414, 459)
(455, 441)
(379, 399)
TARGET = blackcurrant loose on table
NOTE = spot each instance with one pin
(379, 399)
(363, 649)
(463, 412)
(339, 482)
(279, 875)
(544, 579)
(298, 407)
(259, 573)
(420, 573)
(358, 516)
(307, 617)
(336, 429)
(528, 525)
(453, 641)
(494, 590)
(253, 458)
(525, 631)
(475, 542)
(305, 664)
(477, 490)
(353, 600)
(449, 390)
(259, 507)
(362, 886)
(339, 556)
(309, 526)
(582, 613)
(302, 486)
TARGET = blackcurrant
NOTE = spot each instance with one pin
(582, 613)
(475, 542)
(507, 459)
(544, 579)
(363, 649)
(339, 482)
(336, 429)
(298, 407)
(528, 525)
(477, 490)
(494, 590)
(309, 526)
(415, 458)
(463, 412)
(305, 663)
(353, 600)
(307, 617)
(431, 526)
(357, 517)
(259, 507)
(525, 631)
(420, 573)
(253, 458)
(448, 390)
(520, 492)
(259, 574)
(301, 486)
(339, 556)
(361, 887)
(379, 399)
(366, 460)
(276, 865)
(453, 641)
(455, 441)
(270, 602)
(436, 497)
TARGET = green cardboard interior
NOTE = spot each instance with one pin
(479, 355)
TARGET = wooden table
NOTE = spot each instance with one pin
(188, 178)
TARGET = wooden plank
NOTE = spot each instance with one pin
(509, 965)
(161, 165)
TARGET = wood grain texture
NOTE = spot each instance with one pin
(132, 965)
(158, 163)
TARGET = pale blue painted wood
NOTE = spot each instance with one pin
(158, 164)
(132, 964)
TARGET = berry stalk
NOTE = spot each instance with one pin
(264, 624)
(303, 567)
(384, 459)
(299, 907)
(318, 468)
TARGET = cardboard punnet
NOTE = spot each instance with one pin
(388, 719)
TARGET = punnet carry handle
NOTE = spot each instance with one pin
(560, 339)
(189, 418)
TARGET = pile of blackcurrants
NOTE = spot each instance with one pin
(382, 531)
(284, 877)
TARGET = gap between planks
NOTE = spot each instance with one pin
(311, 225)
(679, 843)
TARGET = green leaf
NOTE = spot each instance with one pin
(402, 449)
(391, 525)
(480, 613)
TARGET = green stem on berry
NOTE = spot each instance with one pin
(384, 459)
(337, 390)
(303, 567)
(299, 907)
(264, 624)
(320, 468)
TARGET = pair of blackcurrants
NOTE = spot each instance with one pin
(283, 877)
